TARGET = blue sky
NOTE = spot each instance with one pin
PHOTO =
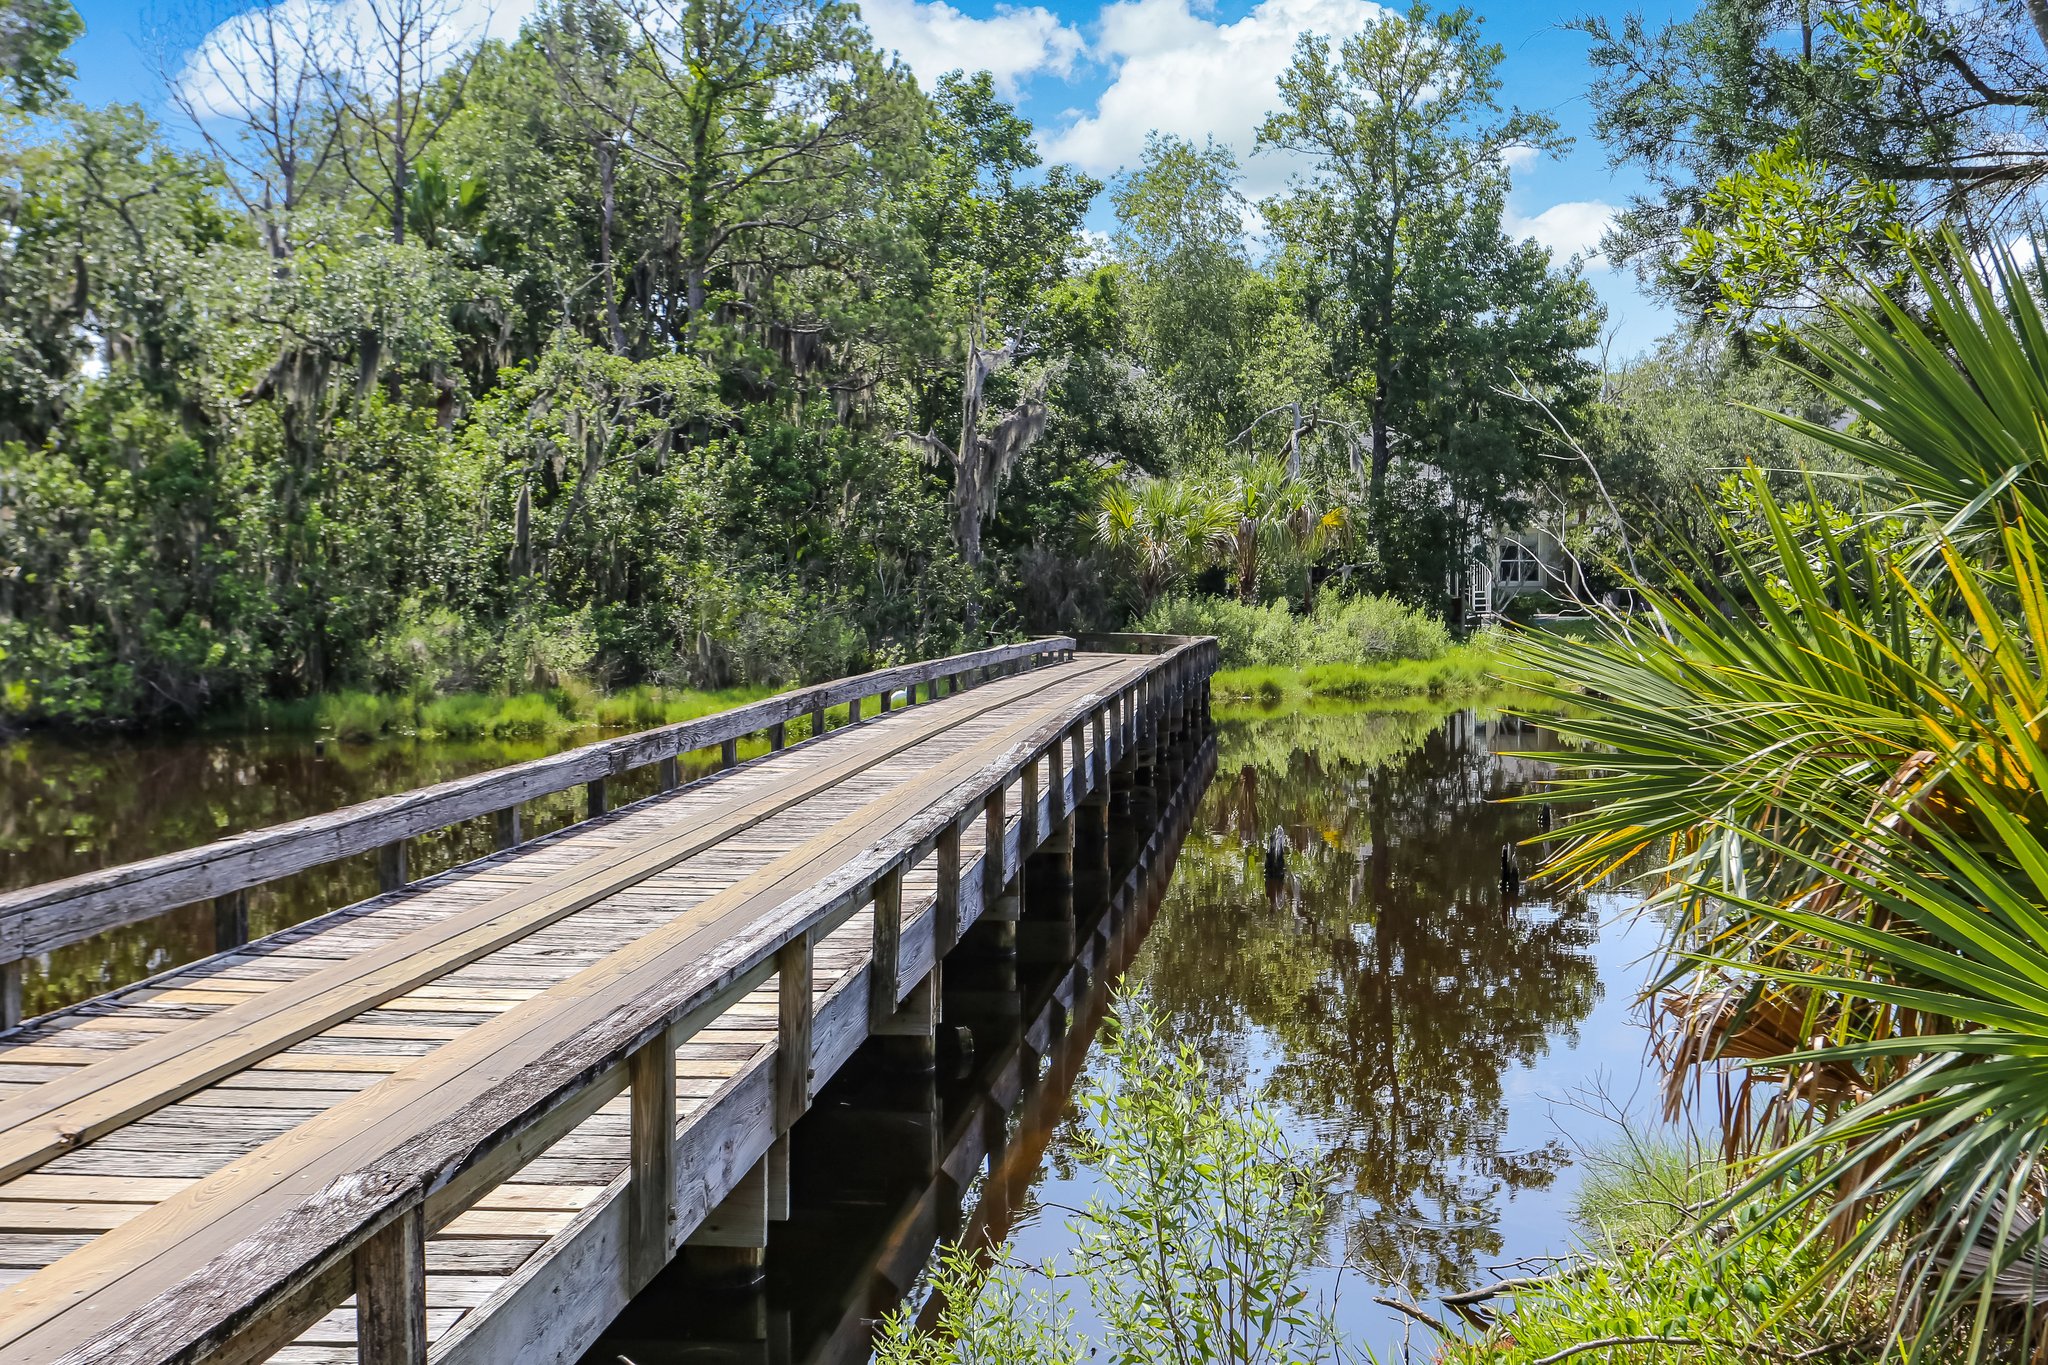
(1095, 77)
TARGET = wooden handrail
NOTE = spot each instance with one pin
(37, 919)
(292, 1235)
(1130, 642)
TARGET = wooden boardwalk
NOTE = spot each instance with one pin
(469, 1118)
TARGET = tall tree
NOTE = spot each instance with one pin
(1790, 144)
(1403, 129)
(993, 245)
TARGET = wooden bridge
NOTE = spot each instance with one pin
(468, 1119)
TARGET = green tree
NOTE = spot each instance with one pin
(1406, 136)
(1790, 146)
(34, 34)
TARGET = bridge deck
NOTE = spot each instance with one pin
(142, 1133)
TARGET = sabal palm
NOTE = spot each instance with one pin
(1168, 526)
(1839, 756)
(1267, 514)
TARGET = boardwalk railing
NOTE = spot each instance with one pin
(276, 1244)
(38, 919)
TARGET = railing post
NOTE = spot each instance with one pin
(12, 976)
(391, 869)
(793, 1032)
(853, 711)
(1027, 818)
(817, 721)
(884, 965)
(670, 773)
(995, 833)
(778, 737)
(1055, 783)
(1100, 777)
(594, 798)
(1077, 763)
(505, 829)
(882, 703)
(651, 1184)
(729, 754)
(946, 903)
(230, 920)
(391, 1292)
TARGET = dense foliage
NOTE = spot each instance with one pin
(1835, 750)
(690, 342)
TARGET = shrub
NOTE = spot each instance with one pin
(1341, 630)
(361, 716)
(1370, 629)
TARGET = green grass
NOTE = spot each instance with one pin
(1646, 1267)
(1461, 672)
(360, 717)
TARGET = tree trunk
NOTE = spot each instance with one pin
(967, 461)
(608, 204)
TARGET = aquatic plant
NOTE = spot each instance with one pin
(1193, 1252)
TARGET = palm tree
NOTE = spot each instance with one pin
(1844, 779)
(1268, 516)
(1168, 526)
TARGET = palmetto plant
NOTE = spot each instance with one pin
(1837, 758)
(1269, 515)
(1169, 527)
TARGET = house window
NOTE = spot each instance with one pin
(1518, 565)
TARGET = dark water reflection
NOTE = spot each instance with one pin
(1443, 1046)
(1440, 1042)
(70, 806)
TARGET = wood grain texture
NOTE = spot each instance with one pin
(39, 918)
(243, 1254)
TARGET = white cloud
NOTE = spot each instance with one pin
(1519, 156)
(933, 38)
(228, 64)
(1179, 72)
(1573, 228)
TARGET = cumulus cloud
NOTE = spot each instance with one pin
(225, 65)
(933, 38)
(1519, 156)
(1573, 228)
(1180, 72)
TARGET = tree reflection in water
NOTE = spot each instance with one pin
(1384, 987)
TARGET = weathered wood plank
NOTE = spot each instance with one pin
(36, 1127)
(37, 919)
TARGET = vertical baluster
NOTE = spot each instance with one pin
(391, 868)
(391, 1292)
(505, 830)
(946, 904)
(883, 986)
(651, 1161)
(12, 978)
(995, 827)
(594, 798)
(230, 920)
(1027, 818)
(793, 1036)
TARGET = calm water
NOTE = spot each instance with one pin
(1454, 1055)
(69, 806)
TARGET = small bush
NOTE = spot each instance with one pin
(1341, 630)
(358, 717)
